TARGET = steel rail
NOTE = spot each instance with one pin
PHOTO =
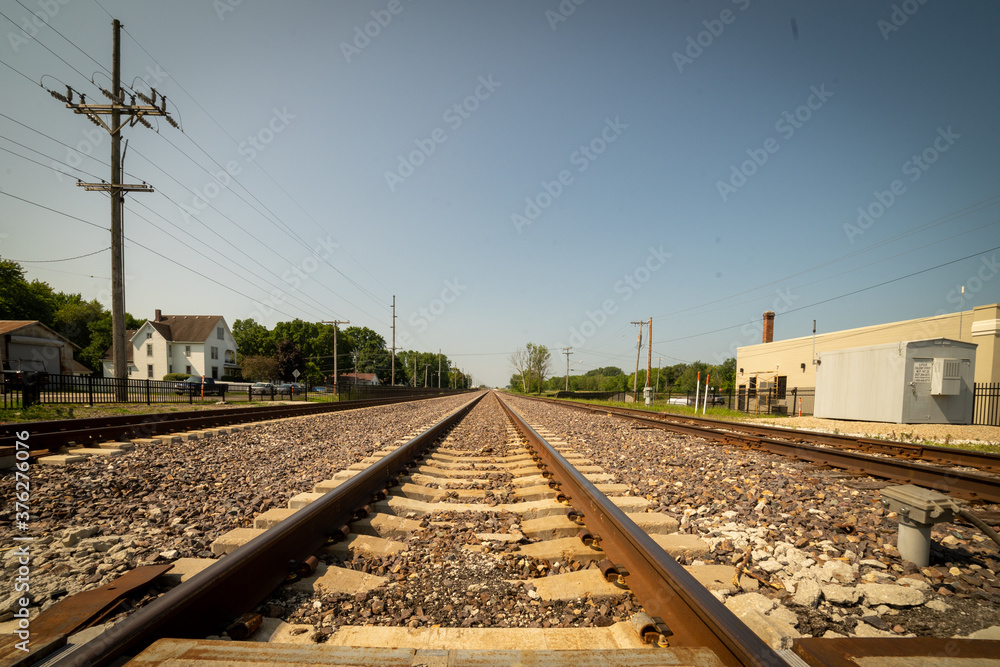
(665, 589)
(963, 484)
(931, 453)
(47, 435)
(239, 581)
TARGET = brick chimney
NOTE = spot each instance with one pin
(768, 326)
(160, 317)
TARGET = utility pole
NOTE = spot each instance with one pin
(657, 387)
(426, 366)
(566, 351)
(638, 351)
(393, 381)
(116, 189)
(336, 376)
(649, 351)
(439, 368)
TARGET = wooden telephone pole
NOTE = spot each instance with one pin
(134, 113)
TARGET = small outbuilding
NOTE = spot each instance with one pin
(910, 382)
(29, 345)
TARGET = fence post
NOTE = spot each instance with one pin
(90, 389)
(147, 391)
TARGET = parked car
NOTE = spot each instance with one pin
(193, 385)
(262, 388)
(284, 389)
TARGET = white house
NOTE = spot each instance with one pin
(193, 344)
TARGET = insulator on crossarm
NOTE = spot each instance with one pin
(133, 100)
(163, 104)
(153, 100)
(69, 95)
(145, 122)
(107, 94)
(172, 122)
(58, 96)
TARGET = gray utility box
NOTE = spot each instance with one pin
(909, 382)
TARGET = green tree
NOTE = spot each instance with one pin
(73, 317)
(100, 338)
(260, 369)
(368, 351)
(289, 358)
(539, 362)
(21, 300)
(252, 339)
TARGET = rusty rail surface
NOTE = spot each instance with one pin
(53, 434)
(211, 599)
(796, 444)
(666, 590)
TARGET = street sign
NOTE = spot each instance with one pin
(296, 374)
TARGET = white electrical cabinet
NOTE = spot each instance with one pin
(909, 382)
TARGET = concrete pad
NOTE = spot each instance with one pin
(328, 485)
(186, 437)
(300, 500)
(576, 585)
(550, 527)
(562, 549)
(331, 579)
(630, 504)
(116, 445)
(678, 544)
(417, 492)
(613, 489)
(714, 577)
(272, 517)
(600, 477)
(538, 492)
(619, 635)
(276, 631)
(364, 544)
(281, 653)
(385, 525)
(234, 539)
(506, 538)
(185, 568)
(654, 523)
(406, 507)
(94, 451)
(534, 479)
(146, 441)
(60, 459)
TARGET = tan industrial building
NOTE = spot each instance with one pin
(788, 366)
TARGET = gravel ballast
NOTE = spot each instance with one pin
(821, 546)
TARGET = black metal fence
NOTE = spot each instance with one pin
(986, 404)
(352, 392)
(30, 388)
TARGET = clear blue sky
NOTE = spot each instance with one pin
(521, 171)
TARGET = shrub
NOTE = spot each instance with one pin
(175, 377)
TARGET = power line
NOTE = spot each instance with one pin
(72, 217)
(66, 259)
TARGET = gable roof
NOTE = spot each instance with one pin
(129, 333)
(186, 328)
(10, 326)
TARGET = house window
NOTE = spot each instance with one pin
(149, 349)
(215, 353)
(187, 350)
(149, 335)
(215, 372)
(220, 334)
(782, 387)
(149, 370)
(188, 370)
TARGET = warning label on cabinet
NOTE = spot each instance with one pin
(922, 371)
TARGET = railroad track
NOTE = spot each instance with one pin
(555, 508)
(47, 437)
(898, 461)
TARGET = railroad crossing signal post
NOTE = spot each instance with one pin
(134, 113)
